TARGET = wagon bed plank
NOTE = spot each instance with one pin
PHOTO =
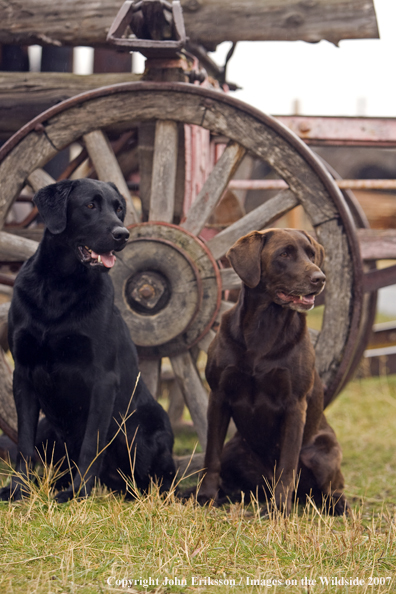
(83, 22)
(24, 95)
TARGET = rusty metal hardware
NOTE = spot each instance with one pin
(156, 28)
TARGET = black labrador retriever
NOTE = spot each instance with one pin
(74, 358)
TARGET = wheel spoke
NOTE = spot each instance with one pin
(229, 279)
(259, 218)
(107, 168)
(193, 391)
(150, 370)
(206, 340)
(4, 309)
(15, 248)
(224, 306)
(39, 179)
(163, 181)
(213, 188)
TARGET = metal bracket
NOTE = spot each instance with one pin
(156, 28)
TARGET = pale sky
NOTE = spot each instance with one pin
(356, 78)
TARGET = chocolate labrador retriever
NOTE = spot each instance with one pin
(261, 371)
(74, 358)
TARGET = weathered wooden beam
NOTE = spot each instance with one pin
(24, 95)
(108, 169)
(84, 22)
(163, 183)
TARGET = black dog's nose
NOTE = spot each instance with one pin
(318, 278)
(120, 234)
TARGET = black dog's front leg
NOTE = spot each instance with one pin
(101, 412)
(28, 409)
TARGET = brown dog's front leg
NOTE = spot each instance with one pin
(219, 415)
(291, 443)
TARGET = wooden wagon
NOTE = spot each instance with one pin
(171, 280)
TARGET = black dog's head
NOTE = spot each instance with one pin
(285, 263)
(87, 215)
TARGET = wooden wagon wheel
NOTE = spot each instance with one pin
(167, 280)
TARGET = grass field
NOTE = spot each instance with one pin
(104, 544)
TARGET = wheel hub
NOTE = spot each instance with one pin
(168, 288)
(147, 292)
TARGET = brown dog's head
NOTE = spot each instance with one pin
(285, 263)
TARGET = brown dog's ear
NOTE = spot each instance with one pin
(245, 257)
(319, 250)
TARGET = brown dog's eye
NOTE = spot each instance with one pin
(284, 255)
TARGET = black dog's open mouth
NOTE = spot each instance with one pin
(303, 301)
(90, 257)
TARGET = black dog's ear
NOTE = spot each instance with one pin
(51, 202)
(319, 249)
(245, 257)
(121, 198)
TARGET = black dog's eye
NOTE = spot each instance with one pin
(119, 209)
(91, 205)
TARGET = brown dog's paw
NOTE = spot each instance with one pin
(336, 504)
(340, 505)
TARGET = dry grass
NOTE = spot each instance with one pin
(105, 544)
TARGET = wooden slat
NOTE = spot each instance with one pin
(39, 179)
(150, 371)
(83, 22)
(206, 340)
(377, 244)
(163, 181)
(193, 391)
(213, 188)
(16, 248)
(4, 309)
(229, 279)
(190, 464)
(108, 170)
(259, 218)
(224, 306)
(8, 416)
(377, 279)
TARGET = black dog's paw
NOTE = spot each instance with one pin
(5, 493)
(64, 496)
(70, 493)
(11, 492)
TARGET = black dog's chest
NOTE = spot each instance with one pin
(49, 349)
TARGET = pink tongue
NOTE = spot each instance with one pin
(107, 259)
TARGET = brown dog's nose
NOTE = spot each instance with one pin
(318, 278)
